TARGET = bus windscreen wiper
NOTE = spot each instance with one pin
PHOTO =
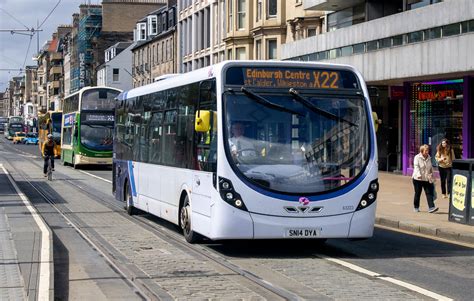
(267, 103)
(315, 109)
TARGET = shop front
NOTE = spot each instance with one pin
(433, 110)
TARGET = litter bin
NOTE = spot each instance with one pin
(461, 203)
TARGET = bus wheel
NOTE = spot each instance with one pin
(186, 225)
(129, 201)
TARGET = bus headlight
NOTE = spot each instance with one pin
(370, 196)
(229, 195)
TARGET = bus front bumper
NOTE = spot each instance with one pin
(83, 160)
(244, 225)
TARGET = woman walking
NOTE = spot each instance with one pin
(444, 157)
(423, 179)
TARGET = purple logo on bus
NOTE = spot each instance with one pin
(304, 201)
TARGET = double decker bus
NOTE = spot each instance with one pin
(87, 127)
(251, 150)
(50, 123)
(3, 123)
(14, 124)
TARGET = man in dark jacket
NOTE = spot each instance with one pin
(48, 153)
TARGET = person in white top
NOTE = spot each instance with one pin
(241, 146)
(423, 179)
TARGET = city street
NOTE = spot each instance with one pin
(102, 253)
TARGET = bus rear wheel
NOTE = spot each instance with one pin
(129, 201)
(185, 221)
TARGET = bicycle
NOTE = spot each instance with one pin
(50, 170)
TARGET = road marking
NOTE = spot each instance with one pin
(94, 176)
(44, 278)
(386, 278)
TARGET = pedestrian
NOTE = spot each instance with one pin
(423, 179)
(444, 157)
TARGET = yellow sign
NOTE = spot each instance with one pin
(459, 192)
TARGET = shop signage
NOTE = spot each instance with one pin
(397, 93)
(435, 95)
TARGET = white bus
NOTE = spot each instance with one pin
(251, 150)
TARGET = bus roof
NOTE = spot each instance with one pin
(92, 88)
(211, 71)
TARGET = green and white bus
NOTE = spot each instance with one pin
(87, 127)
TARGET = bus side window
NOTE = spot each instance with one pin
(206, 146)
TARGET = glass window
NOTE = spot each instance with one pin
(67, 135)
(115, 75)
(345, 51)
(334, 53)
(97, 137)
(414, 37)
(311, 32)
(313, 57)
(358, 48)
(271, 49)
(240, 53)
(302, 152)
(397, 40)
(259, 10)
(372, 45)
(385, 43)
(155, 132)
(433, 33)
(471, 25)
(436, 112)
(169, 137)
(241, 14)
(230, 22)
(272, 8)
(412, 4)
(99, 99)
(258, 49)
(323, 55)
(451, 30)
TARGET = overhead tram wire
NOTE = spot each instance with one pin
(49, 14)
(15, 18)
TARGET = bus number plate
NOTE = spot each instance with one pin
(303, 233)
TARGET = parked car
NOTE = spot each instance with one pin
(18, 137)
(31, 138)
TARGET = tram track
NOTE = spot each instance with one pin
(142, 288)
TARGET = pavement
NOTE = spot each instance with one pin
(20, 245)
(395, 210)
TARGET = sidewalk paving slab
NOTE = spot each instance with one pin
(395, 210)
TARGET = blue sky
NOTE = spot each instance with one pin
(19, 14)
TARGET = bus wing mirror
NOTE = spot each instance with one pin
(203, 121)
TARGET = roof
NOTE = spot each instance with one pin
(53, 45)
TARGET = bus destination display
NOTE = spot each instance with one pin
(291, 78)
(99, 117)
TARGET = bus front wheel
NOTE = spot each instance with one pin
(186, 225)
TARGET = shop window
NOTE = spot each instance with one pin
(358, 48)
(436, 111)
(451, 30)
(414, 37)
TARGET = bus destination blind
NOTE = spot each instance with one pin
(99, 117)
(291, 78)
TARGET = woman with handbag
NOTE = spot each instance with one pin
(444, 157)
(423, 179)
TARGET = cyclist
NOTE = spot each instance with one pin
(48, 153)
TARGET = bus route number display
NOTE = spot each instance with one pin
(99, 117)
(292, 78)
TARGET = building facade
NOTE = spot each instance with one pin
(155, 51)
(116, 71)
(201, 33)
(417, 57)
